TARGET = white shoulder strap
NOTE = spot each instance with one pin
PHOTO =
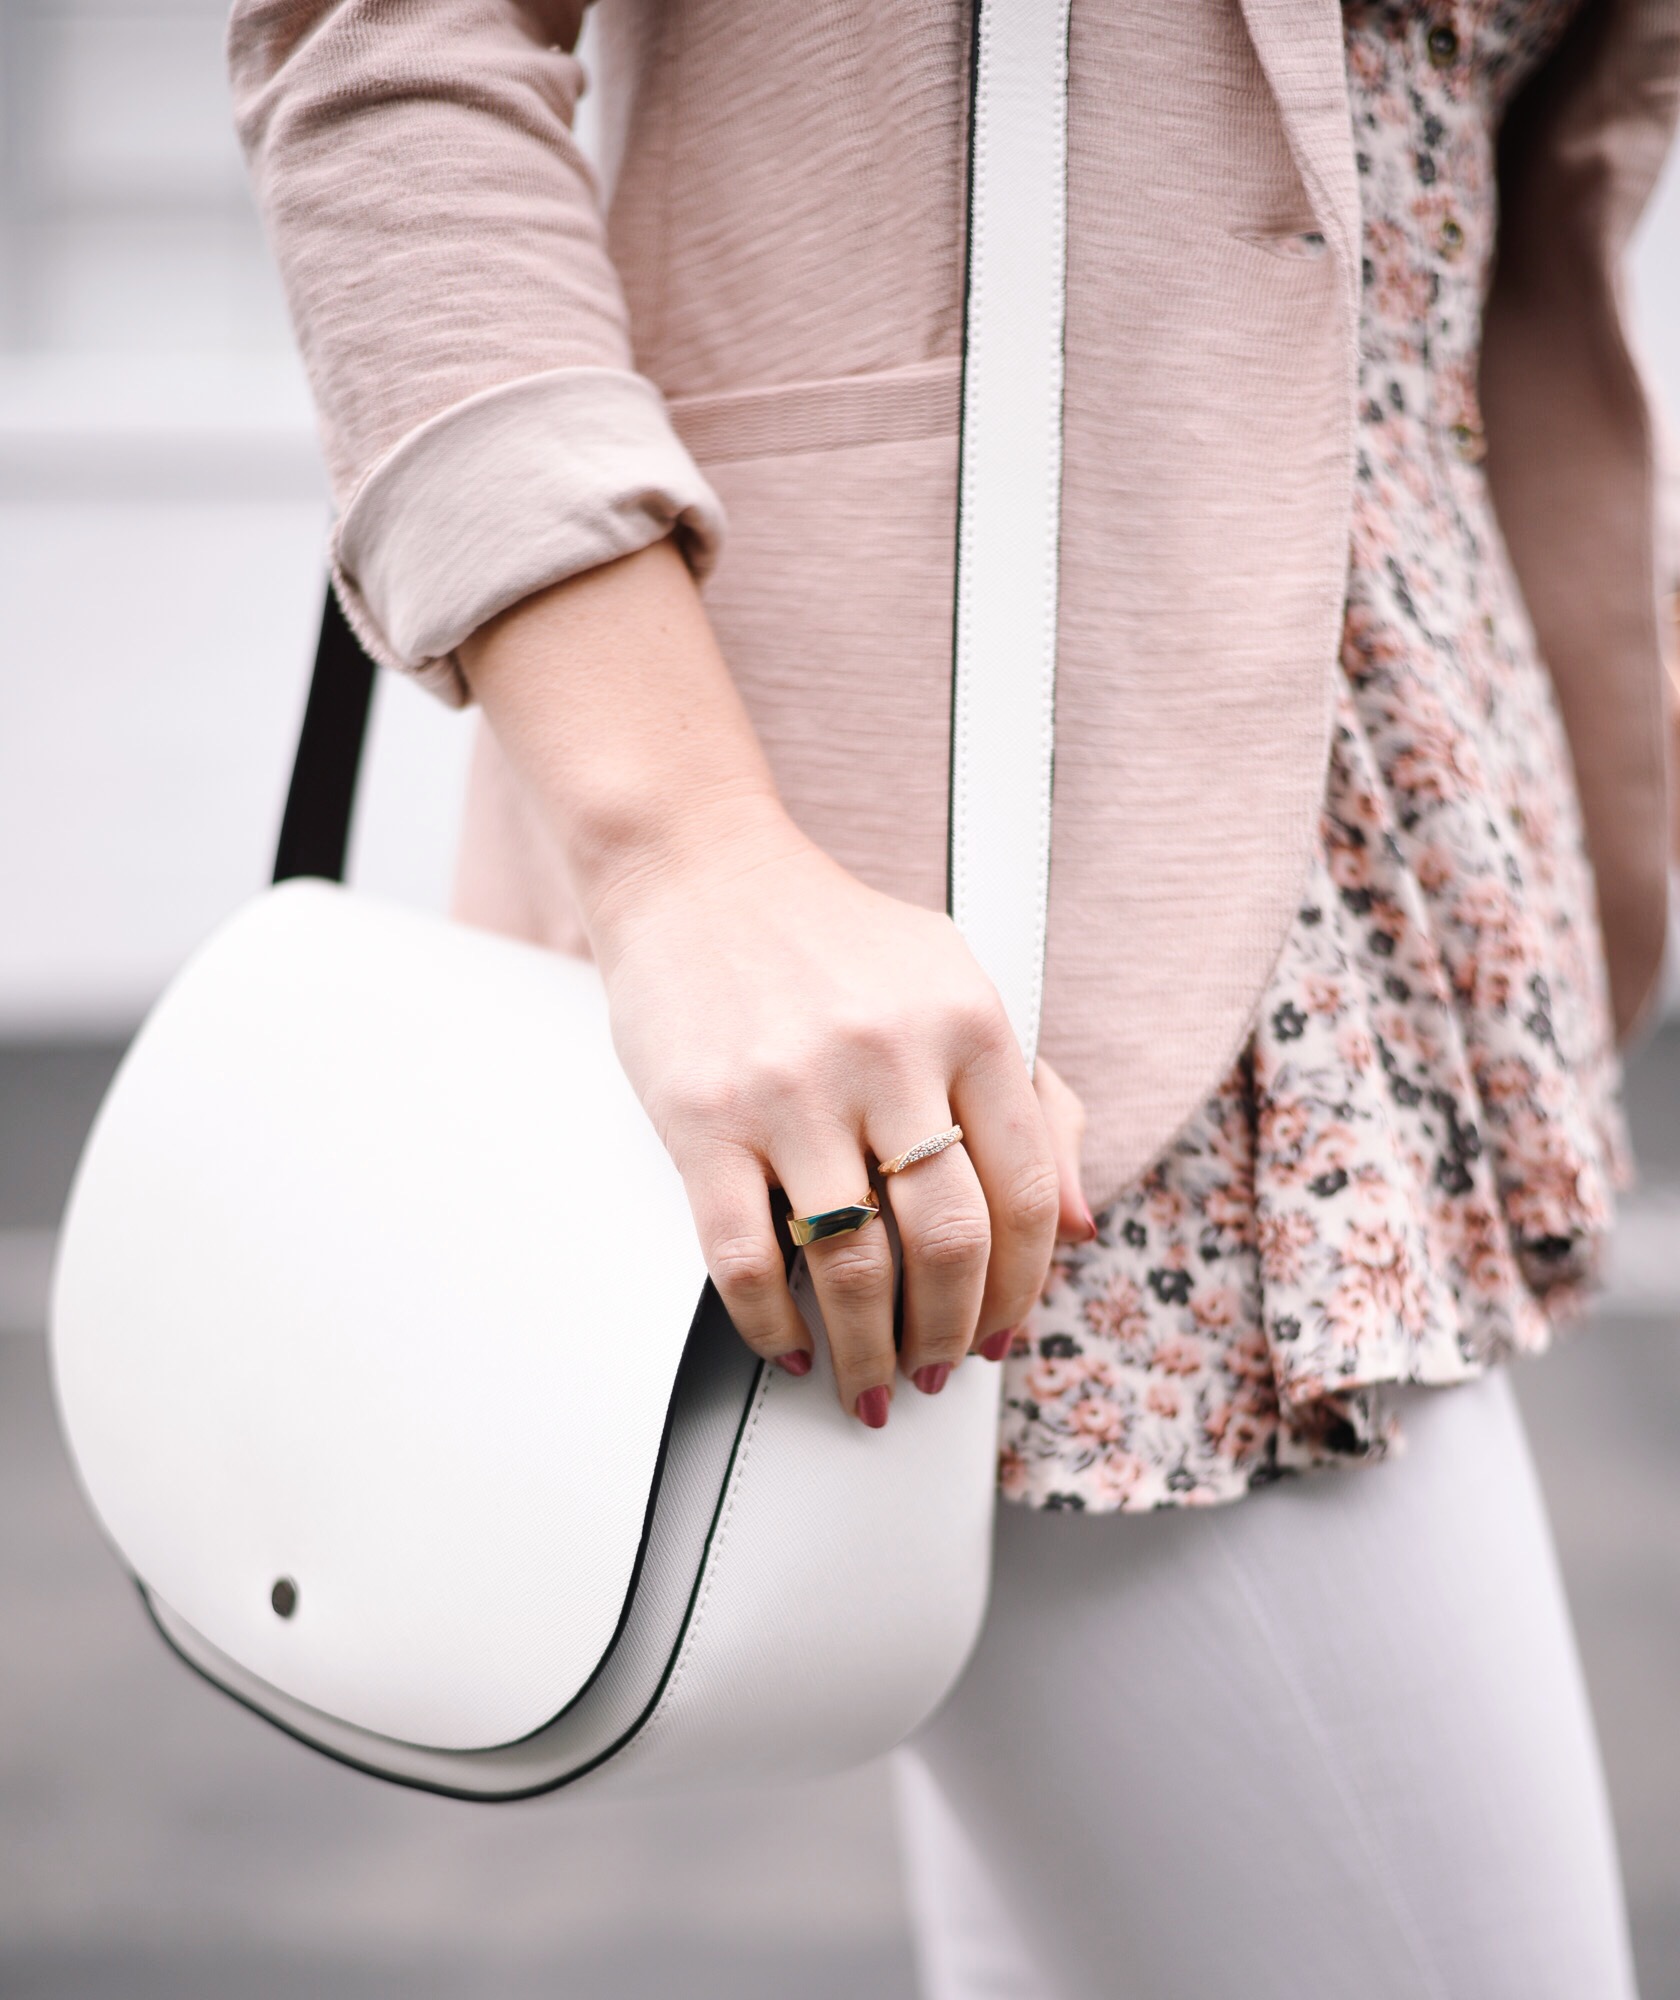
(1009, 498)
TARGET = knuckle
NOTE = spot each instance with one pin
(855, 1274)
(743, 1104)
(745, 1268)
(976, 1019)
(881, 1034)
(1033, 1197)
(771, 1087)
(958, 1241)
(699, 1113)
(780, 1074)
(886, 1059)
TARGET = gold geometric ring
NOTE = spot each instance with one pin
(835, 1221)
(923, 1150)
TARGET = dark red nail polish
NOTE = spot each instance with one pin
(996, 1345)
(872, 1407)
(931, 1379)
(796, 1361)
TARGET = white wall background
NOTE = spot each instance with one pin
(162, 518)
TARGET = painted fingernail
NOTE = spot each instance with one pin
(872, 1407)
(796, 1361)
(931, 1379)
(996, 1345)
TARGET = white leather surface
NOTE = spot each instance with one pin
(845, 1588)
(1009, 529)
(713, 1397)
(412, 1348)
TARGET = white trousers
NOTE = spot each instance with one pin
(1329, 1743)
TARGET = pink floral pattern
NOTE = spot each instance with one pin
(1408, 1175)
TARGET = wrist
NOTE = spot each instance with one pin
(612, 700)
(626, 866)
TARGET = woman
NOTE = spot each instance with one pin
(1336, 945)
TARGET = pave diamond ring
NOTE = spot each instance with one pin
(923, 1150)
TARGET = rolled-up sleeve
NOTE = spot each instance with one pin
(440, 238)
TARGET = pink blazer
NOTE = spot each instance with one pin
(757, 323)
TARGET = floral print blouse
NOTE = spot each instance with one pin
(1408, 1174)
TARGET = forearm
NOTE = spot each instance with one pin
(610, 696)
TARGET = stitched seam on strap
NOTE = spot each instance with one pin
(1053, 559)
(1370, 1846)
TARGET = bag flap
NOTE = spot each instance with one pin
(372, 1288)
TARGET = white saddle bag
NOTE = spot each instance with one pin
(382, 1340)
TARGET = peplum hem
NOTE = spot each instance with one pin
(1385, 1190)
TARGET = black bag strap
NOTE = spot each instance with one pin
(321, 799)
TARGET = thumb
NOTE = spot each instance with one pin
(1065, 1116)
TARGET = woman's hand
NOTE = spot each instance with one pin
(781, 1021)
(784, 1024)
